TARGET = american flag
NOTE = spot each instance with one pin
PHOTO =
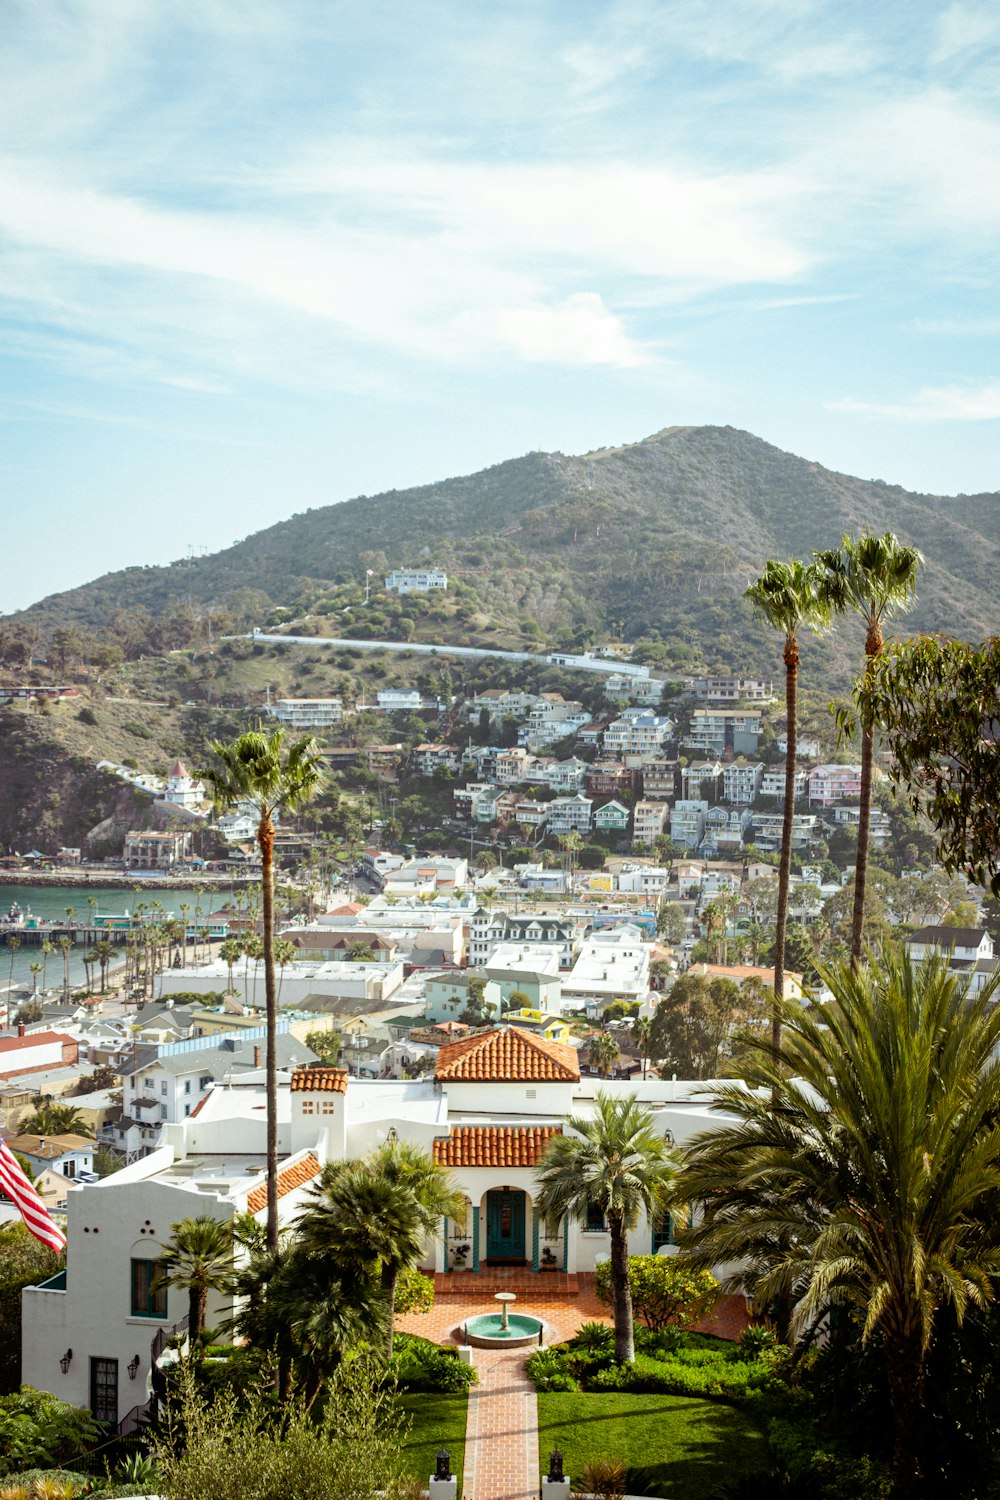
(371, 572)
(31, 1208)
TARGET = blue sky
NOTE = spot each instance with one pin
(257, 257)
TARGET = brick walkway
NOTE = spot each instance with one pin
(466, 1293)
(501, 1437)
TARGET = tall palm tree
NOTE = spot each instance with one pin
(284, 954)
(199, 1259)
(380, 1212)
(13, 943)
(47, 949)
(642, 1028)
(788, 596)
(617, 1161)
(876, 578)
(258, 768)
(229, 951)
(35, 969)
(862, 1168)
(65, 947)
(106, 951)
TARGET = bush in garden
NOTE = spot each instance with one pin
(665, 1292)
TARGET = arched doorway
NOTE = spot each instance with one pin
(506, 1238)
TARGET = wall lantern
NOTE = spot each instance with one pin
(64, 1363)
(133, 1366)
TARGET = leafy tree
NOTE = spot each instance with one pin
(788, 597)
(937, 701)
(670, 922)
(875, 577)
(666, 1292)
(258, 769)
(614, 1160)
(858, 1170)
(694, 1025)
(199, 1259)
(24, 1261)
(326, 1045)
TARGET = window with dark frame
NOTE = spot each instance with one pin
(149, 1294)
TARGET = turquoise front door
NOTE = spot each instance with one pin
(504, 1224)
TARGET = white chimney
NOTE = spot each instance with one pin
(319, 1111)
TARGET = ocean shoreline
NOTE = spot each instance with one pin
(121, 879)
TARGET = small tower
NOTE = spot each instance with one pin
(319, 1103)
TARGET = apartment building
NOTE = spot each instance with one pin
(713, 731)
(648, 821)
(772, 782)
(570, 814)
(687, 822)
(702, 781)
(637, 733)
(307, 713)
(830, 784)
(713, 691)
(149, 850)
(741, 782)
(415, 580)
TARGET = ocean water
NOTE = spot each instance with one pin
(50, 901)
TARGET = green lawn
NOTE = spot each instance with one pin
(673, 1445)
(436, 1420)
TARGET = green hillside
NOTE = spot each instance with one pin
(655, 539)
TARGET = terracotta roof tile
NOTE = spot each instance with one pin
(494, 1145)
(292, 1177)
(507, 1055)
(319, 1080)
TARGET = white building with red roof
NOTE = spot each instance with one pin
(182, 790)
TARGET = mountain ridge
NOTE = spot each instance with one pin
(654, 537)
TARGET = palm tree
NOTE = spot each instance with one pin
(861, 1170)
(258, 769)
(90, 958)
(65, 944)
(106, 951)
(199, 1259)
(616, 1161)
(229, 952)
(604, 1052)
(642, 1028)
(379, 1212)
(47, 949)
(876, 577)
(13, 943)
(307, 1312)
(788, 596)
(50, 1118)
(35, 969)
(284, 954)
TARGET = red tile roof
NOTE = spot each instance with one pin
(291, 1178)
(33, 1038)
(507, 1055)
(319, 1081)
(494, 1145)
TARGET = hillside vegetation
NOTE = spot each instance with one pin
(657, 539)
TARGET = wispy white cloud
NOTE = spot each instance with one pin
(950, 403)
(962, 30)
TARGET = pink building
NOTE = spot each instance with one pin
(829, 785)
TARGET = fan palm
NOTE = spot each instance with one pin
(379, 1212)
(859, 1168)
(876, 577)
(616, 1161)
(257, 768)
(307, 1312)
(604, 1052)
(199, 1259)
(787, 596)
(50, 1118)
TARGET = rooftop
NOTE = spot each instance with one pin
(494, 1145)
(507, 1055)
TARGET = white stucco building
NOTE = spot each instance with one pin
(496, 1099)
